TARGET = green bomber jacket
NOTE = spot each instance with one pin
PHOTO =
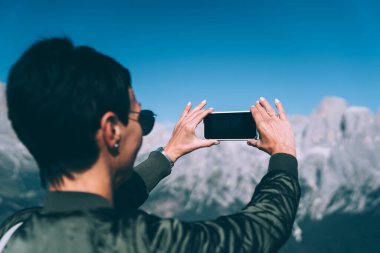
(84, 222)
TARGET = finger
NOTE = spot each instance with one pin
(201, 115)
(198, 107)
(271, 112)
(262, 111)
(254, 143)
(185, 111)
(256, 115)
(197, 110)
(280, 108)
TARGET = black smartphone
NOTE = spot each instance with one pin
(235, 125)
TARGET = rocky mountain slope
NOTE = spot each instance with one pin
(19, 182)
(339, 167)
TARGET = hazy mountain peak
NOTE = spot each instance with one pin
(323, 127)
(331, 105)
(357, 120)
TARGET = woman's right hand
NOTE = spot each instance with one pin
(276, 133)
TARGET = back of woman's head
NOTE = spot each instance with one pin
(56, 95)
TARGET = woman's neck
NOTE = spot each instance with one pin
(96, 180)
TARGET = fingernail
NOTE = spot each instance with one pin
(262, 98)
(277, 101)
(253, 106)
(204, 101)
(257, 102)
(211, 108)
(188, 103)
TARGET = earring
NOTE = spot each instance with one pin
(116, 145)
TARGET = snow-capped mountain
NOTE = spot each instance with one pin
(339, 168)
(338, 164)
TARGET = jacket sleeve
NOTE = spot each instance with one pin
(264, 225)
(133, 193)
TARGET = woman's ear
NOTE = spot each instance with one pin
(111, 132)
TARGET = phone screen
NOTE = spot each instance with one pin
(230, 126)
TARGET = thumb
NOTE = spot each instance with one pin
(209, 143)
(254, 143)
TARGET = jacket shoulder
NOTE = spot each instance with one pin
(20, 216)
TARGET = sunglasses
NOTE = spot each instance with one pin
(146, 120)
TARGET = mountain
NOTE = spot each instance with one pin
(337, 151)
(19, 181)
(339, 167)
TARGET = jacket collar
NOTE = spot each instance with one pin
(64, 201)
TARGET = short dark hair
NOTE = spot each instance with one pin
(56, 96)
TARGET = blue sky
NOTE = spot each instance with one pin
(229, 52)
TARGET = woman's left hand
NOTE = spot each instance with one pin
(184, 140)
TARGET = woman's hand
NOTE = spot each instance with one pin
(184, 140)
(276, 134)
